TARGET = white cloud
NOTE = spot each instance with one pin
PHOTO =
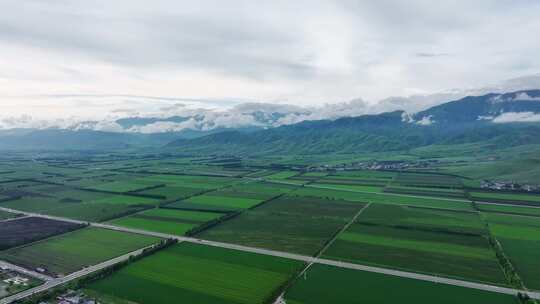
(425, 121)
(517, 117)
(525, 96)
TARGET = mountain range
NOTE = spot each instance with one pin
(499, 119)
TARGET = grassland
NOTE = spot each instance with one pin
(326, 284)
(520, 240)
(72, 251)
(292, 223)
(444, 243)
(202, 275)
(168, 221)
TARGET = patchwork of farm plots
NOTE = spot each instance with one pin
(325, 284)
(199, 274)
(169, 221)
(72, 251)
(289, 223)
(447, 243)
(422, 223)
(519, 237)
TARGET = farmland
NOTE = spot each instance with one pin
(520, 240)
(505, 209)
(362, 196)
(435, 242)
(30, 229)
(218, 203)
(72, 251)
(200, 275)
(291, 223)
(421, 223)
(7, 215)
(326, 284)
(168, 221)
(518, 199)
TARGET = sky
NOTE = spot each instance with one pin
(80, 60)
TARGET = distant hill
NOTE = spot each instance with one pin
(468, 120)
(497, 119)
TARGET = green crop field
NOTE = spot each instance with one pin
(172, 192)
(121, 186)
(264, 188)
(423, 218)
(191, 181)
(200, 274)
(292, 223)
(72, 251)
(214, 202)
(326, 284)
(282, 175)
(516, 210)
(362, 188)
(420, 240)
(520, 239)
(7, 215)
(427, 180)
(168, 221)
(357, 196)
(506, 197)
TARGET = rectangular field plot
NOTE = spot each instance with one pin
(444, 244)
(7, 215)
(424, 191)
(72, 251)
(327, 284)
(168, 221)
(263, 188)
(30, 229)
(427, 180)
(216, 202)
(348, 186)
(282, 175)
(290, 223)
(424, 218)
(514, 210)
(520, 239)
(507, 198)
(172, 192)
(189, 273)
(121, 186)
(82, 205)
(365, 197)
(191, 181)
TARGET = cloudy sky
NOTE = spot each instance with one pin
(89, 59)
